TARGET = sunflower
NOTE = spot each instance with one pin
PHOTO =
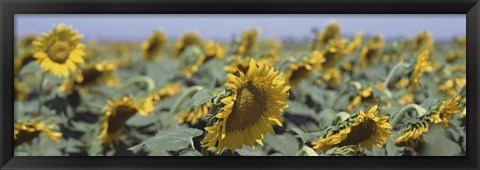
(450, 86)
(27, 41)
(362, 129)
(274, 47)
(458, 69)
(192, 115)
(355, 43)
(25, 132)
(372, 50)
(241, 65)
(331, 32)
(422, 41)
(302, 69)
(453, 56)
(332, 77)
(192, 69)
(422, 65)
(333, 52)
(186, 40)
(20, 90)
(116, 116)
(463, 114)
(363, 96)
(22, 61)
(401, 83)
(163, 93)
(213, 50)
(92, 75)
(247, 43)
(152, 46)
(408, 98)
(412, 134)
(461, 41)
(446, 110)
(60, 51)
(255, 105)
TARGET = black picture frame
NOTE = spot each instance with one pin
(9, 8)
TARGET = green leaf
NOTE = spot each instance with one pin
(286, 143)
(201, 97)
(169, 140)
(300, 134)
(437, 144)
(190, 152)
(58, 104)
(247, 151)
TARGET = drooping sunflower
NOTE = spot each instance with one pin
(331, 32)
(450, 86)
(247, 43)
(412, 133)
(192, 69)
(461, 41)
(274, 47)
(303, 69)
(422, 65)
(185, 41)
(333, 52)
(151, 48)
(92, 75)
(453, 56)
(363, 96)
(332, 77)
(213, 50)
(423, 41)
(408, 98)
(25, 132)
(60, 51)
(116, 116)
(401, 83)
(21, 61)
(355, 43)
(445, 110)
(362, 129)
(163, 93)
(20, 90)
(372, 50)
(192, 115)
(255, 105)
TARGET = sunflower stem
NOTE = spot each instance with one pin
(420, 112)
(389, 78)
(40, 93)
(188, 93)
(132, 81)
(462, 91)
(355, 84)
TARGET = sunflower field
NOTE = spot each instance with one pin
(332, 96)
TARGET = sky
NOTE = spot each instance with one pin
(137, 27)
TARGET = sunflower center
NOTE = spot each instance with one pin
(299, 74)
(249, 106)
(59, 51)
(360, 133)
(25, 136)
(153, 46)
(90, 76)
(119, 117)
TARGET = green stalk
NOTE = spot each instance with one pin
(389, 77)
(420, 112)
(188, 93)
(132, 81)
(40, 93)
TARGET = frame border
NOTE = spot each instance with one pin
(9, 8)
